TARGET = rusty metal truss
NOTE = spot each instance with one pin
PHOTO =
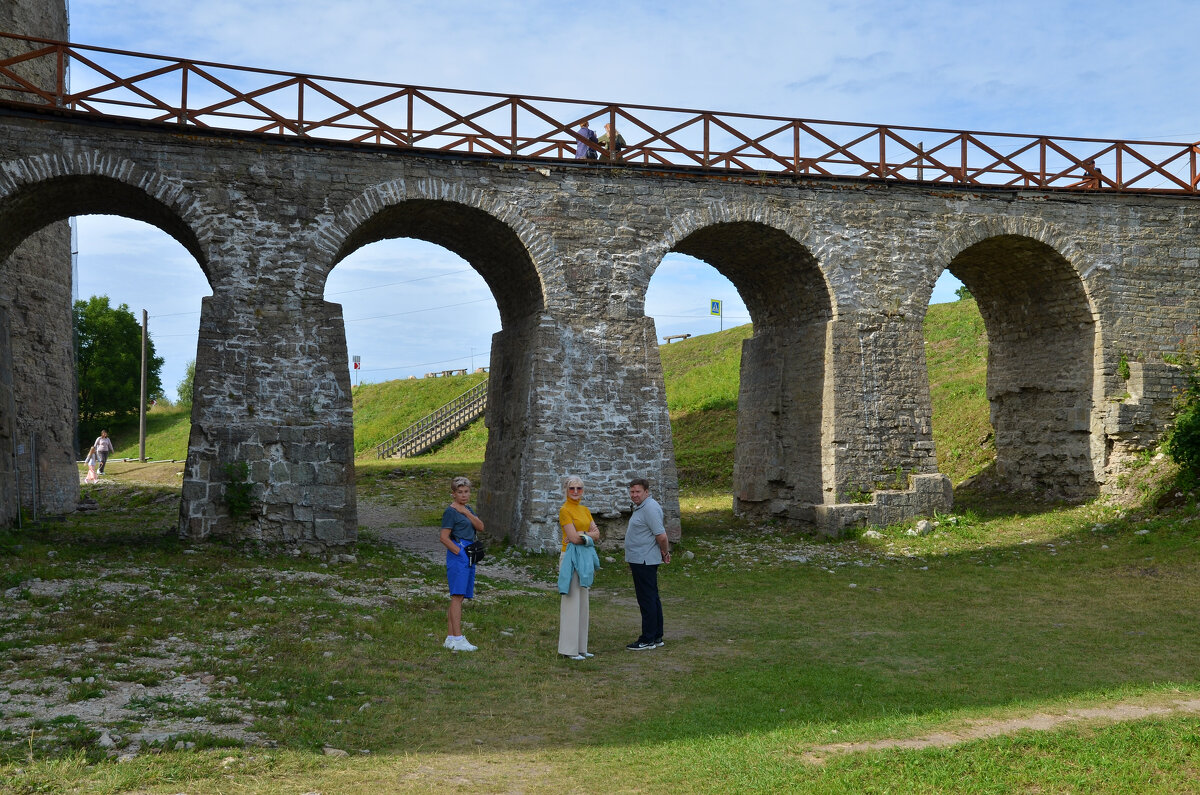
(206, 95)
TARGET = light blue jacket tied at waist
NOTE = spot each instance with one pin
(581, 558)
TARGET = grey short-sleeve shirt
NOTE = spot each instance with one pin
(645, 524)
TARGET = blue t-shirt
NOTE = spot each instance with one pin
(460, 526)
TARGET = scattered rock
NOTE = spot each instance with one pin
(689, 555)
(328, 751)
(924, 527)
(872, 534)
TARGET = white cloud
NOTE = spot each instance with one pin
(1075, 67)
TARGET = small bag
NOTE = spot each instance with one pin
(476, 552)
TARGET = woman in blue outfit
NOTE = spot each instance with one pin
(459, 526)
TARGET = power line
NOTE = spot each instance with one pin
(422, 364)
(426, 309)
(393, 284)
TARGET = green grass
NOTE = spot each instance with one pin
(956, 354)
(385, 409)
(167, 430)
(1000, 614)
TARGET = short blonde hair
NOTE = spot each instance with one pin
(456, 483)
(571, 480)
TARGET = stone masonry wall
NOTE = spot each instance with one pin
(35, 290)
(837, 276)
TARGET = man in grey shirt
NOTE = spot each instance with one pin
(646, 549)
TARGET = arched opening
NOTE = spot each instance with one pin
(38, 407)
(463, 238)
(701, 388)
(1040, 364)
(419, 322)
(778, 469)
(138, 265)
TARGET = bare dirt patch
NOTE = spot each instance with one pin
(1038, 721)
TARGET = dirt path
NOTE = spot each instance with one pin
(393, 526)
(1038, 721)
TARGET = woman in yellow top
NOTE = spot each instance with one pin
(576, 521)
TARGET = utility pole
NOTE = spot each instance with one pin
(142, 407)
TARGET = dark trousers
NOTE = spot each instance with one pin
(645, 585)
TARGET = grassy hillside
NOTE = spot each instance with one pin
(383, 410)
(701, 377)
(956, 352)
(167, 429)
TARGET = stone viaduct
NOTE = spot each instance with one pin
(836, 274)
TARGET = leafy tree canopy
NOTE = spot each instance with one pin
(184, 390)
(108, 362)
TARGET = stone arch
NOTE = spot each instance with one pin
(37, 191)
(36, 195)
(481, 228)
(1043, 350)
(518, 265)
(767, 255)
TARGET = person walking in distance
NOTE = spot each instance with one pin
(103, 446)
(91, 466)
(459, 528)
(646, 548)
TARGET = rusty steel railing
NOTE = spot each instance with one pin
(209, 95)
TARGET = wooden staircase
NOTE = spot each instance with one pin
(438, 426)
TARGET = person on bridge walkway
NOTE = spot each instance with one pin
(646, 548)
(582, 150)
(611, 134)
(578, 527)
(459, 528)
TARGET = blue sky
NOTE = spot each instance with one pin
(1091, 69)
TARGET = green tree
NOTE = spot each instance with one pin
(184, 390)
(108, 362)
(963, 293)
(1183, 441)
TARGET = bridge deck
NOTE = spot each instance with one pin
(206, 95)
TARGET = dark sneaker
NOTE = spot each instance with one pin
(659, 643)
(640, 645)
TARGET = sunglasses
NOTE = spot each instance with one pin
(574, 488)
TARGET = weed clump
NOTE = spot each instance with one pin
(1183, 442)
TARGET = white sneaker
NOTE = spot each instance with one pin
(464, 645)
(448, 642)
